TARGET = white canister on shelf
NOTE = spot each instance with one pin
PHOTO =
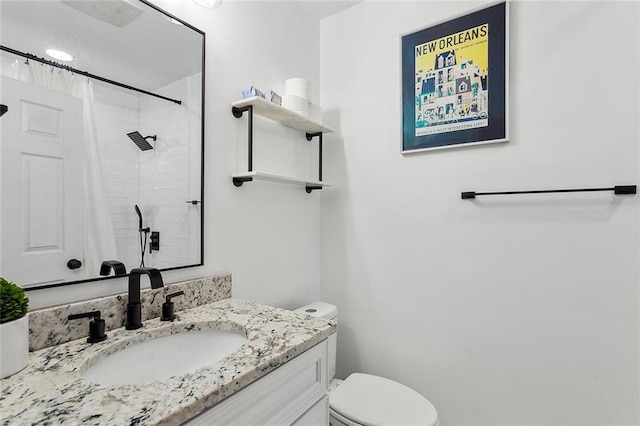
(297, 87)
(296, 104)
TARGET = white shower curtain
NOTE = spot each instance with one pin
(99, 240)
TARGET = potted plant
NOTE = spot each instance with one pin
(14, 329)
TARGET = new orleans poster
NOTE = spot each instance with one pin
(454, 85)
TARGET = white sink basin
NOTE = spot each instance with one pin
(164, 357)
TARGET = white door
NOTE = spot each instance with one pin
(41, 190)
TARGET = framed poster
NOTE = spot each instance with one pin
(455, 82)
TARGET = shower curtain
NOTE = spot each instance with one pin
(99, 240)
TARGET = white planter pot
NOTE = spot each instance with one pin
(14, 346)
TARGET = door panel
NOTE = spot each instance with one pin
(43, 196)
(42, 121)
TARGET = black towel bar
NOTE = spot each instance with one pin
(618, 190)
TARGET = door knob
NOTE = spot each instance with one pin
(74, 264)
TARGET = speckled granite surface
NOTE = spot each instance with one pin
(51, 389)
(49, 326)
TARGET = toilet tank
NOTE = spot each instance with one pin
(330, 313)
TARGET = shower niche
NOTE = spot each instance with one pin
(136, 134)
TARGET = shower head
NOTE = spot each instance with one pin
(141, 141)
(139, 217)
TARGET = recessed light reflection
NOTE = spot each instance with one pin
(208, 3)
(59, 55)
(173, 21)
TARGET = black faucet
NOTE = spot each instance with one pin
(118, 267)
(134, 308)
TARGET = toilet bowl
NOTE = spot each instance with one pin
(364, 399)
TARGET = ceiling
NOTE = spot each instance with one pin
(323, 8)
(30, 26)
(149, 52)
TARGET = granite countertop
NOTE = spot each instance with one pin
(50, 390)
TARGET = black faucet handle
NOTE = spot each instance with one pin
(168, 307)
(172, 295)
(96, 326)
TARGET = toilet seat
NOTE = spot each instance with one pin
(363, 399)
(335, 419)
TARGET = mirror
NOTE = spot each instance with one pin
(101, 160)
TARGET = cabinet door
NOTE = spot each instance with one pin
(279, 398)
(318, 415)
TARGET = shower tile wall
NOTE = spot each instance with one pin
(117, 114)
(159, 181)
(164, 174)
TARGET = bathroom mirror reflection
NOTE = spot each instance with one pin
(101, 153)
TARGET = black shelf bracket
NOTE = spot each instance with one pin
(617, 190)
(238, 113)
(238, 181)
(310, 188)
(310, 137)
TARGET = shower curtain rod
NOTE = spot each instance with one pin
(84, 73)
(618, 190)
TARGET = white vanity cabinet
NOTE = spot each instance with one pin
(293, 394)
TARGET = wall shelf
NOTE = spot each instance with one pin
(279, 114)
(287, 118)
(310, 185)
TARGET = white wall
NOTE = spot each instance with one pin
(519, 310)
(267, 235)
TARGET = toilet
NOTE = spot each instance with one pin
(364, 399)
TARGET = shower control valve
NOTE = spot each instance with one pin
(155, 241)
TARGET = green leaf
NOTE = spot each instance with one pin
(13, 303)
